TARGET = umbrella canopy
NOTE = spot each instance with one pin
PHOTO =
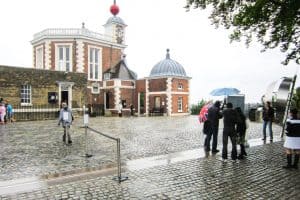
(203, 112)
(224, 91)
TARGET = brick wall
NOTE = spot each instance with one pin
(156, 85)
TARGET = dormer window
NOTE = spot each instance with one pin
(107, 76)
(180, 86)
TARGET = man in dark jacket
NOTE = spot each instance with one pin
(268, 117)
(230, 121)
(213, 117)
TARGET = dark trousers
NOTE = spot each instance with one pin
(232, 136)
(214, 134)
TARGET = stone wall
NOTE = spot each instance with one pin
(41, 82)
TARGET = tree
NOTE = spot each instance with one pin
(275, 23)
(195, 108)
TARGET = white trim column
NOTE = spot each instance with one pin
(169, 96)
(117, 90)
(47, 54)
(80, 56)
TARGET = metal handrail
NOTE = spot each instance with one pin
(119, 178)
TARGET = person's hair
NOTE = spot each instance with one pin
(229, 105)
(217, 104)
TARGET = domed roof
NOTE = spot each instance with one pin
(168, 67)
(115, 20)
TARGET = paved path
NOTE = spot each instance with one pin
(32, 153)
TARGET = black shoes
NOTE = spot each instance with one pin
(215, 151)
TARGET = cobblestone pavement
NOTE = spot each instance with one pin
(35, 149)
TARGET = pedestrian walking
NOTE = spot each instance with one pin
(268, 117)
(230, 118)
(2, 112)
(241, 132)
(292, 140)
(213, 116)
(66, 118)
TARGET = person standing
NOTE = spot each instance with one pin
(2, 112)
(9, 112)
(241, 132)
(213, 116)
(292, 140)
(230, 117)
(268, 117)
(120, 107)
(66, 118)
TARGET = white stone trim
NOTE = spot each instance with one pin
(117, 96)
(71, 33)
(169, 96)
(47, 54)
(80, 56)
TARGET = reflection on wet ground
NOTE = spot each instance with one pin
(33, 156)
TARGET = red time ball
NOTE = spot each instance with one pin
(114, 9)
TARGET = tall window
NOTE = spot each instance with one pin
(179, 104)
(25, 94)
(94, 63)
(64, 57)
(39, 61)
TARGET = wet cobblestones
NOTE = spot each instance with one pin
(35, 149)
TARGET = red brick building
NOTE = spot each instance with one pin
(109, 79)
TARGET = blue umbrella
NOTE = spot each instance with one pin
(224, 91)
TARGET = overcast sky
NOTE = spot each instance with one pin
(153, 26)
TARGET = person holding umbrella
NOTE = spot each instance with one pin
(213, 116)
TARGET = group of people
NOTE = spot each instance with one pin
(6, 112)
(234, 128)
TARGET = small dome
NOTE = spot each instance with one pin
(115, 20)
(167, 67)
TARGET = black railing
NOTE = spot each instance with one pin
(119, 178)
(35, 112)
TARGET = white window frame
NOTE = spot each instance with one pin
(180, 104)
(26, 94)
(93, 63)
(58, 63)
(97, 90)
(39, 57)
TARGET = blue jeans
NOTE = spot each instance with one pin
(269, 124)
